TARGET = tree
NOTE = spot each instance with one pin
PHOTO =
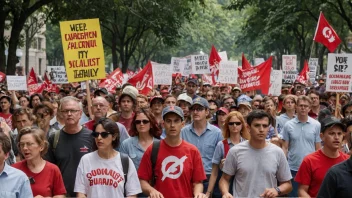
(54, 51)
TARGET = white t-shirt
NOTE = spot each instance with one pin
(97, 177)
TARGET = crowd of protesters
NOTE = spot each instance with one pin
(186, 140)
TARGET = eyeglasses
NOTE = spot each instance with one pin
(104, 134)
(98, 105)
(42, 115)
(197, 109)
(27, 144)
(235, 123)
(72, 111)
(141, 121)
(303, 106)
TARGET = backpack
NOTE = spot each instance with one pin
(153, 157)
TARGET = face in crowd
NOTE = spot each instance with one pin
(185, 106)
(126, 104)
(199, 113)
(100, 107)
(303, 107)
(71, 112)
(170, 101)
(173, 124)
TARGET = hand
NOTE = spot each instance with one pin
(227, 195)
(208, 194)
(5, 128)
(269, 193)
(200, 195)
(222, 162)
(155, 194)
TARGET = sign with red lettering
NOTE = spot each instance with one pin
(289, 68)
(339, 73)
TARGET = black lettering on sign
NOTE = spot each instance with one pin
(85, 73)
(83, 54)
(78, 27)
(340, 68)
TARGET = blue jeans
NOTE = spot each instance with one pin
(294, 192)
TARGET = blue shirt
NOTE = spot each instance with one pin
(281, 121)
(219, 153)
(205, 143)
(301, 139)
(14, 183)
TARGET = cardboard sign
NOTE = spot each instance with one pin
(339, 73)
(176, 66)
(83, 50)
(162, 74)
(289, 68)
(228, 72)
(200, 64)
(187, 66)
(57, 74)
(16, 83)
(223, 56)
(313, 68)
(275, 82)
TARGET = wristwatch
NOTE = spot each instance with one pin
(278, 190)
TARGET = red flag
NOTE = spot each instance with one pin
(49, 86)
(112, 81)
(2, 77)
(256, 78)
(207, 79)
(303, 75)
(325, 34)
(245, 63)
(143, 81)
(214, 60)
(32, 82)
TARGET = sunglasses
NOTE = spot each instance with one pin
(141, 121)
(197, 109)
(104, 134)
(235, 123)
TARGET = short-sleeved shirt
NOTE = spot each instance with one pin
(254, 170)
(301, 138)
(8, 118)
(313, 169)
(127, 123)
(69, 150)
(219, 153)
(48, 182)
(281, 121)
(205, 143)
(98, 177)
(176, 169)
(14, 183)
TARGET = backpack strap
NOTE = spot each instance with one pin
(56, 139)
(125, 166)
(153, 158)
(226, 147)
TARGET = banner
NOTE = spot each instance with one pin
(176, 66)
(256, 78)
(57, 74)
(200, 64)
(143, 81)
(275, 82)
(325, 34)
(49, 86)
(16, 83)
(113, 80)
(228, 72)
(339, 73)
(289, 68)
(313, 67)
(187, 69)
(162, 74)
(83, 50)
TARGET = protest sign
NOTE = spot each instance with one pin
(339, 73)
(162, 74)
(313, 67)
(176, 66)
(228, 72)
(83, 50)
(275, 82)
(200, 64)
(289, 68)
(256, 78)
(57, 74)
(223, 56)
(16, 83)
(187, 68)
(258, 61)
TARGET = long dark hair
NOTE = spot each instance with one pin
(155, 129)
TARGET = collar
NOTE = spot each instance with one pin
(229, 141)
(206, 129)
(295, 119)
(6, 170)
(286, 116)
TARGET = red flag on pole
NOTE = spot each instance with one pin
(2, 77)
(214, 60)
(112, 81)
(143, 81)
(49, 86)
(245, 63)
(303, 75)
(325, 34)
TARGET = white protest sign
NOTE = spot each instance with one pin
(275, 82)
(200, 64)
(289, 68)
(57, 74)
(313, 67)
(16, 83)
(162, 74)
(257, 61)
(228, 72)
(177, 67)
(187, 66)
(83, 85)
(223, 56)
(339, 73)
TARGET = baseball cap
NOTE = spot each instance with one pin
(201, 101)
(130, 91)
(172, 109)
(243, 98)
(156, 98)
(329, 122)
(223, 109)
(192, 80)
(103, 90)
(185, 97)
(246, 104)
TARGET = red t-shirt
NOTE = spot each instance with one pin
(48, 182)
(8, 118)
(313, 169)
(89, 125)
(176, 169)
(127, 123)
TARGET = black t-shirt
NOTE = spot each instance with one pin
(67, 155)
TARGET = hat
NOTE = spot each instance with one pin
(172, 109)
(155, 98)
(243, 98)
(103, 90)
(201, 101)
(192, 80)
(223, 109)
(329, 122)
(185, 97)
(236, 88)
(130, 91)
(246, 104)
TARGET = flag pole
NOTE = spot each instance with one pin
(337, 104)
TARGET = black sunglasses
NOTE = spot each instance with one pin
(104, 134)
(235, 123)
(141, 121)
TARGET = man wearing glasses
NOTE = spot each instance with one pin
(301, 137)
(67, 146)
(202, 134)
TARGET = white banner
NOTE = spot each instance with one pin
(16, 83)
(257, 61)
(177, 67)
(313, 68)
(339, 73)
(57, 74)
(275, 82)
(228, 72)
(289, 68)
(223, 56)
(200, 64)
(162, 74)
(187, 68)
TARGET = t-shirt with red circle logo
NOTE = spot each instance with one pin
(8, 118)
(176, 169)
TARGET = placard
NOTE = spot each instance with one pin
(275, 82)
(162, 74)
(223, 56)
(200, 64)
(176, 66)
(313, 67)
(228, 72)
(289, 68)
(16, 83)
(339, 73)
(83, 49)
(187, 66)
(57, 74)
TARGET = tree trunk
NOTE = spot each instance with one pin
(27, 51)
(321, 59)
(3, 15)
(114, 53)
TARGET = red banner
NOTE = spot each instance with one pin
(245, 63)
(326, 35)
(143, 81)
(256, 78)
(2, 77)
(112, 81)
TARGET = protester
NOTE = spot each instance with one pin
(236, 92)
(6, 110)
(220, 117)
(170, 100)
(347, 146)
(35, 100)
(142, 101)
(156, 106)
(127, 103)
(287, 112)
(244, 108)
(210, 95)
(270, 108)
(24, 101)
(228, 101)
(44, 112)
(346, 110)
(111, 103)
(22, 117)
(315, 108)
(191, 88)
(185, 103)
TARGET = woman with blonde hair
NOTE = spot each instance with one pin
(234, 132)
